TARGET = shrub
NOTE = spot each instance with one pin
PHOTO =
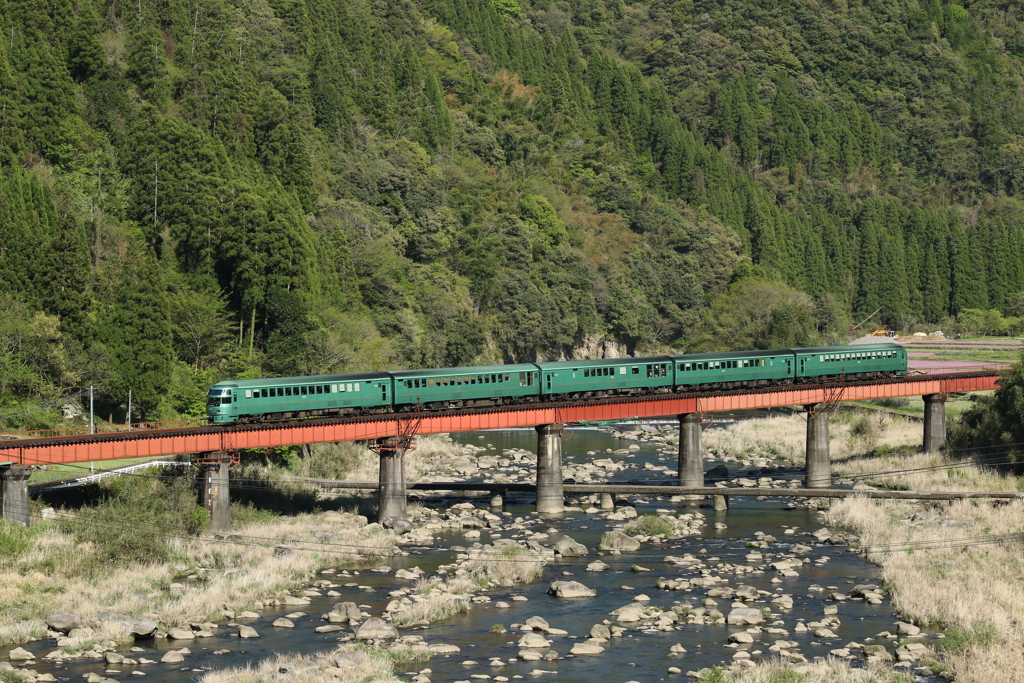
(649, 525)
(981, 634)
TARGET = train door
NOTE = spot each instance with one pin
(547, 383)
(803, 366)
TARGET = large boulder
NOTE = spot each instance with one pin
(586, 648)
(181, 634)
(616, 540)
(743, 616)
(570, 589)
(63, 622)
(172, 657)
(137, 626)
(345, 612)
(533, 640)
(247, 632)
(715, 474)
(567, 547)
(376, 628)
(20, 654)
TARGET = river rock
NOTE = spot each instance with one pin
(63, 622)
(600, 632)
(284, 623)
(905, 629)
(587, 648)
(444, 648)
(912, 652)
(538, 623)
(716, 473)
(247, 632)
(567, 547)
(376, 628)
(741, 637)
(294, 600)
(20, 654)
(616, 540)
(180, 634)
(344, 612)
(172, 657)
(570, 589)
(597, 566)
(113, 658)
(533, 640)
(741, 616)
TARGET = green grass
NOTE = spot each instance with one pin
(649, 525)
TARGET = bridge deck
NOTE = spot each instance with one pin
(201, 439)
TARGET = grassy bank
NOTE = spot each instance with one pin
(948, 563)
(852, 434)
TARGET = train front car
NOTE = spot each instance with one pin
(858, 362)
(222, 403)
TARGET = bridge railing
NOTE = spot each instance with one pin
(102, 429)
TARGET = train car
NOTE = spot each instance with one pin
(285, 398)
(487, 385)
(860, 361)
(733, 369)
(606, 377)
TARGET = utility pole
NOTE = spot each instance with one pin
(129, 420)
(92, 429)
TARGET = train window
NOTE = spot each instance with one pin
(622, 369)
(255, 393)
(636, 369)
(248, 393)
(319, 388)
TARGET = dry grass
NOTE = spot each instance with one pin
(244, 570)
(831, 671)
(944, 564)
(434, 606)
(851, 434)
(353, 462)
(369, 664)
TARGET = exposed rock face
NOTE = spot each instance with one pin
(616, 540)
(570, 589)
(567, 547)
(63, 622)
(742, 616)
(376, 628)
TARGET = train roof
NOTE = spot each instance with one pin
(599, 362)
(312, 379)
(477, 370)
(853, 348)
(731, 354)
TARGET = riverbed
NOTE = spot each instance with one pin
(638, 655)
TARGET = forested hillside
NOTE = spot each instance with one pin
(193, 190)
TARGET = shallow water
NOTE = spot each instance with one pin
(636, 656)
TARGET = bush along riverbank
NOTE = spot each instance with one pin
(319, 571)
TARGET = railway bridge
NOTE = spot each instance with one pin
(214, 449)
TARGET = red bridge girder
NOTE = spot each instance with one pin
(163, 442)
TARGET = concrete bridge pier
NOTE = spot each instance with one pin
(934, 423)
(550, 498)
(819, 462)
(214, 489)
(391, 497)
(14, 494)
(691, 451)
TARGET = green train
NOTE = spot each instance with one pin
(289, 398)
